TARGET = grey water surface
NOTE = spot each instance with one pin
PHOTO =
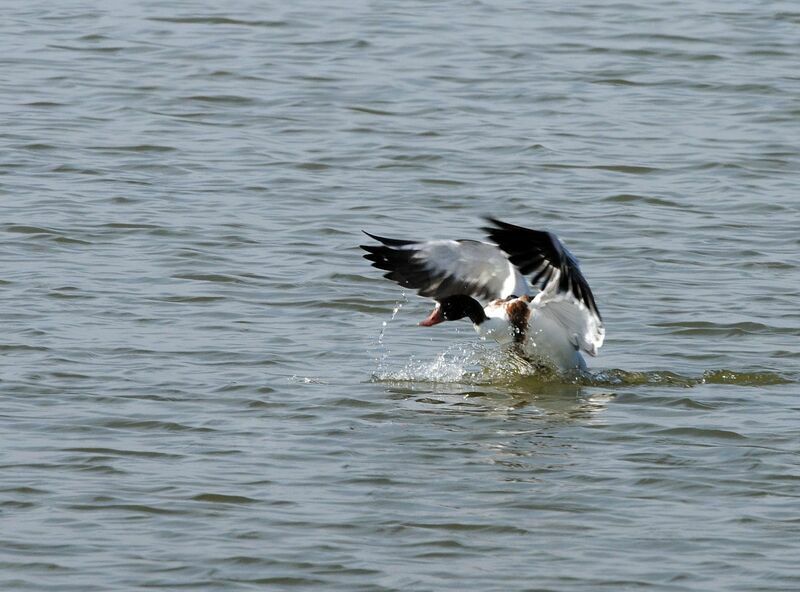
(205, 387)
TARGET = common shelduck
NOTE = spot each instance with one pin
(552, 318)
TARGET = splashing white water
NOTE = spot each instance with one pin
(465, 363)
(382, 351)
(454, 364)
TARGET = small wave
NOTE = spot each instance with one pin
(618, 377)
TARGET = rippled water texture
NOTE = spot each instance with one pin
(199, 390)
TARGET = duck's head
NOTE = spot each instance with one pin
(454, 308)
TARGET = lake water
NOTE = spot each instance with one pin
(206, 387)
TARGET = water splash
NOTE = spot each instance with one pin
(295, 379)
(381, 347)
(467, 363)
(454, 364)
(482, 364)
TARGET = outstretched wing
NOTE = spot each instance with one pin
(565, 295)
(441, 268)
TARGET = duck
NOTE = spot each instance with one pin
(524, 289)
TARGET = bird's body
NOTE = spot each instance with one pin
(551, 318)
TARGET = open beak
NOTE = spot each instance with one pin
(434, 318)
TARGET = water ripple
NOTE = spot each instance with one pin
(205, 387)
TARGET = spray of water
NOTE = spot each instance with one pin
(466, 363)
(382, 352)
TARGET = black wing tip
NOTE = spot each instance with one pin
(507, 226)
(507, 230)
(554, 254)
(390, 242)
(501, 224)
(495, 223)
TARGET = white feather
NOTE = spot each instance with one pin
(583, 328)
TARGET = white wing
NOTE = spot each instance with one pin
(565, 295)
(584, 328)
(442, 268)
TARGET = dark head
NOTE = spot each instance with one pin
(454, 308)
